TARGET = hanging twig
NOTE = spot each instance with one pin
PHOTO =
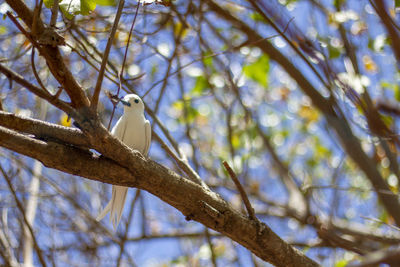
(121, 74)
(35, 71)
(243, 194)
(97, 89)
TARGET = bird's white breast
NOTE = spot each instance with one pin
(133, 134)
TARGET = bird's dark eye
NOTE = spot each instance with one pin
(136, 101)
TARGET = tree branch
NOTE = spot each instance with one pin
(191, 199)
(36, 90)
(97, 89)
(43, 130)
(243, 194)
(392, 31)
(27, 224)
(331, 111)
(53, 58)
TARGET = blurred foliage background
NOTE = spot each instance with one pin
(213, 93)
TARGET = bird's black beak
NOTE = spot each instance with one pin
(126, 103)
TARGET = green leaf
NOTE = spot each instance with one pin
(235, 141)
(397, 3)
(3, 30)
(388, 120)
(257, 17)
(207, 59)
(200, 86)
(311, 162)
(394, 87)
(191, 112)
(334, 52)
(87, 6)
(341, 263)
(106, 2)
(48, 3)
(70, 8)
(258, 71)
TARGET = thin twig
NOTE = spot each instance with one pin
(121, 74)
(21, 209)
(35, 71)
(36, 17)
(54, 14)
(211, 246)
(243, 194)
(381, 222)
(21, 29)
(97, 89)
(192, 175)
(36, 90)
(228, 50)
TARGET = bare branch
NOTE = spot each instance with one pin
(53, 58)
(191, 199)
(97, 89)
(390, 256)
(54, 13)
(121, 74)
(43, 130)
(243, 194)
(36, 90)
(331, 111)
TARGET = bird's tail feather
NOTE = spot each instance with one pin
(115, 206)
(104, 212)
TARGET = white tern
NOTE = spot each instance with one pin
(134, 131)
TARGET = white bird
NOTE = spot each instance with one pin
(134, 131)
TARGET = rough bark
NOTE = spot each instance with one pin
(195, 202)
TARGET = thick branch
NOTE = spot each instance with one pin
(43, 130)
(191, 199)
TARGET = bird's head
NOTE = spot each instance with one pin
(132, 102)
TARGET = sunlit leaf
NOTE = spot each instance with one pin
(394, 87)
(369, 64)
(180, 29)
(258, 71)
(187, 112)
(334, 52)
(200, 85)
(308, 113)
(257, 17)
(207, 59)
(3, 29)
(65, 120)
(384, 217)
(341, 263)
(70, 8)
(87, 6)
(106, 2)
(235, 141)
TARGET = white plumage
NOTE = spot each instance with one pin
(133, 130)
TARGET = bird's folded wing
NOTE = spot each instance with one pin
(147, 131)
